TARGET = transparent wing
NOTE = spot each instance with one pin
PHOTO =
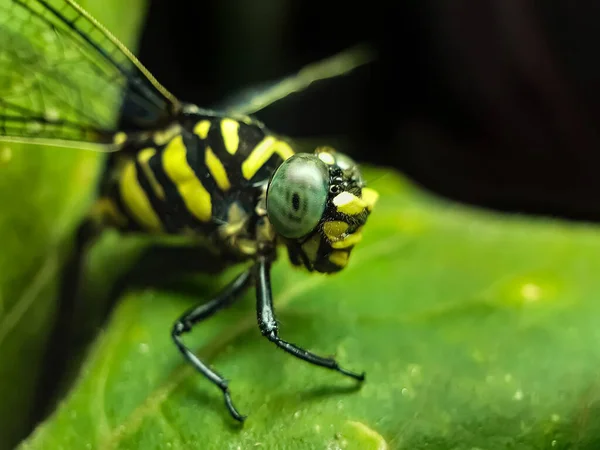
(259, 97)
(63, 77)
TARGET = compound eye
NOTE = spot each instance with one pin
(297, 195)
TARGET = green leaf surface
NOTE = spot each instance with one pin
(476, 330)
(40, 208)
(44, 192)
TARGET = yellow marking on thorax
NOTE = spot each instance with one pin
(202, 128)
(265, 231)
(164, 136)
(246, 246)
(348, 203)
(143, 157)
(339, 258)
(135, 198)
(236, 220)
(261, 154)
(194, 195)
(216, 169)
(230, 129)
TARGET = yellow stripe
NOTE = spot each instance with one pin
(237, 218)
(217, 170)
(349, 241)
(231, 138)
(135, 199)
(194, 195)
(370, 197)
(163, 136)
(283, 150)
(261, 154)
(201, 128)
(339, 258)
(348, 203)
(143, 158)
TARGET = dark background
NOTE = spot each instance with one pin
(489, 102)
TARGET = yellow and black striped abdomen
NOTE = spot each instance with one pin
(208, 175)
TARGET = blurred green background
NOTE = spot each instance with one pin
(477, 329)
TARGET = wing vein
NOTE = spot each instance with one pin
(64, 76)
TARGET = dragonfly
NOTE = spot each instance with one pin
(174, 168)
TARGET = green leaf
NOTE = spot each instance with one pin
(40, 208)
(44, 192)
(476, 330)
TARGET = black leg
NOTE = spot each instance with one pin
(268, 324)
(195, 315)
(63, 342)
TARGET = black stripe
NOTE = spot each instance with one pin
(114, 193)
(215, 140)
(156, 203)
(196, 157)
(249, 137)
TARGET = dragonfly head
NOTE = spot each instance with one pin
(318, 204)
